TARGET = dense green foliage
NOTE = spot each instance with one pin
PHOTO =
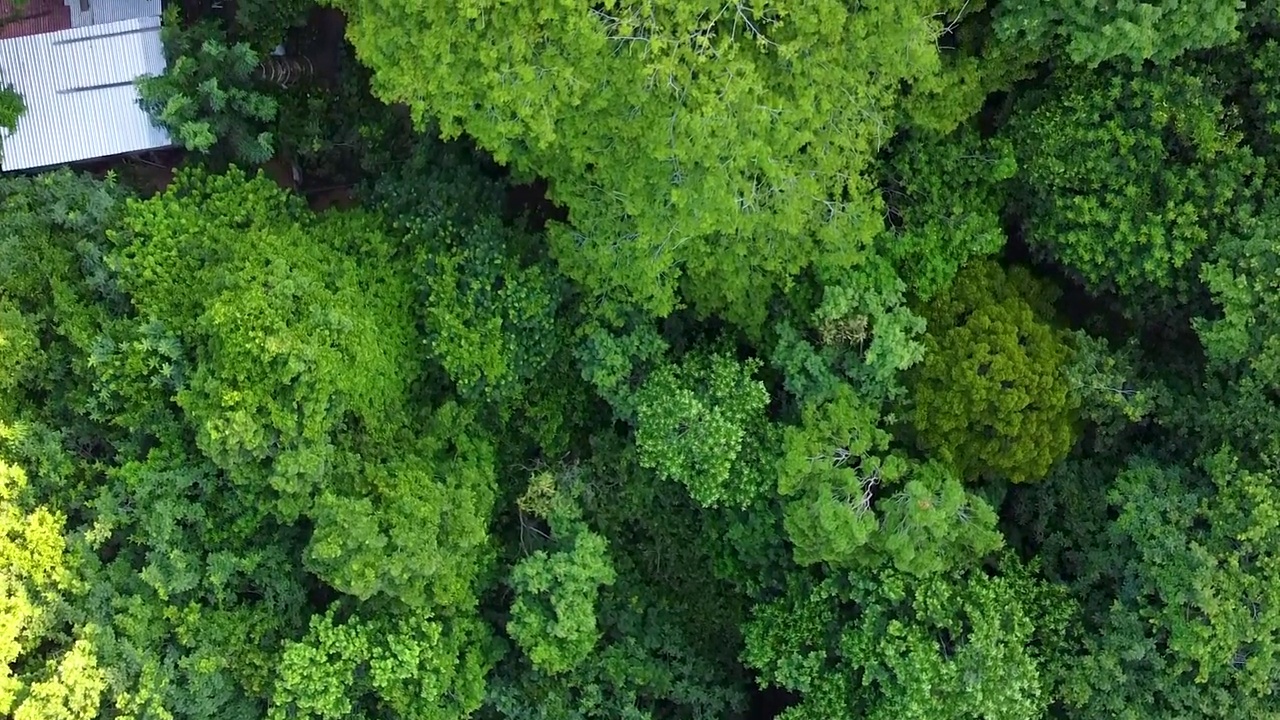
(1129, 178)
(666, 360)
(731, 146)
(206, 97)
(11, 107)
(1132, 30)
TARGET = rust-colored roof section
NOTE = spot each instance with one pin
(33, 17)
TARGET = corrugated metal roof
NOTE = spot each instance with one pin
(78, 88)
(108, 11)
(37, 16)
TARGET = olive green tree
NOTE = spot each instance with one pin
(992, 395)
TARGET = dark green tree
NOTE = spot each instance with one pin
(946, 194)
(1191, 628)
(858, 331)
(882, 646)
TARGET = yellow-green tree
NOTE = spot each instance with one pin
(46, 674)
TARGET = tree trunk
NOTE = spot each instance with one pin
(285, 71)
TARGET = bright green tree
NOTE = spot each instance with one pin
(411, 527)
(553, 619)
(852, 504)
(700, 423)
(726, 145)
(297, 331)
(288, 337)
(393, 664)
(47, 674)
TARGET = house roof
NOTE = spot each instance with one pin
(78, 88)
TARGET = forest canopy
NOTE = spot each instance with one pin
(656, 360)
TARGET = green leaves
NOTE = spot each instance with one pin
(1112, 394)
(946, 197)
(880, 646)
(553, 618)
(932, 524)
(1193, 628)
(490, 322)
(286, 334)
(614, 363)
(834, 462)
(1158, 30)
(406, 665)
(852, 504)
(12, 107)
(413, 528)
(1241, 279)
(1129, 178)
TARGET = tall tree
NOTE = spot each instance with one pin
(1189, 627)
(206, 97)
(880, 646)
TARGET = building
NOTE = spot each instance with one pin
(74, 63)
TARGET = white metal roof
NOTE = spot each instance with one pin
(109, 11)
(78, 88)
